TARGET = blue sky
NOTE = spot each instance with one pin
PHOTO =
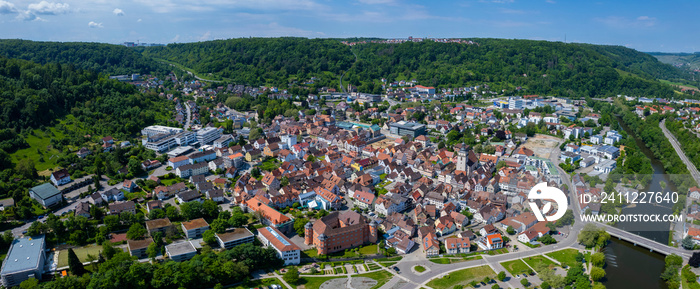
(670, 26)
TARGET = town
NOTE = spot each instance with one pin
(394, 187)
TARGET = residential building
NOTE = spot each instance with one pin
(234, 237)
(138, 248)
(286, 249)
(223, 141)
(203, 156)
(118, 208)
(431, 245)
(457, 245)
(188, 196)
(178, 161)
(82, 209)
(180, 251)
(192, 170)
(194, 228)
(159, 225)
(60, 177)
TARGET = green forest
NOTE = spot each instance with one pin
(540, 67)
(100, 57)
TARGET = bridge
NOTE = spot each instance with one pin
(640, 241)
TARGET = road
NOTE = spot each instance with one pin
(189, 116)
(679, 227)
(676, 146)
(72, 200)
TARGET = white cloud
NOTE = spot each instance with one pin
(118, 12)
(27, 16)
(139, 20)
(175, 39)
(206, 36)
(94, 24)
(7, 7)
(49, 8)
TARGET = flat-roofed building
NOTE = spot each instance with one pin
(234, 238)
(412, 129)
(159, 129)
(286, 249)
(180, 251)
(194, 228)
(208, 134)
(24, 260)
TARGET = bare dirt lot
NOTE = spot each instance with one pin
(543, 145)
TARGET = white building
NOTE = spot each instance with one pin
(180, 251)
(286, 249)
(24, 260)
(208, 135)
(159, 129)
(185, 138)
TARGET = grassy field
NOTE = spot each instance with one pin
(368, 250)
(40, 150)
(535, 260)
(462, 277)
(381, 276)
(82, 254)
(516, 267)
(565, 257)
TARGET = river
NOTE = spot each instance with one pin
(634, 267)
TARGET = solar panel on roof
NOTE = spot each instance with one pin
(280, 238)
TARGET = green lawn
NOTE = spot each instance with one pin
(369, 249)
(462, 277)
(387, 264)
(516, 267)
(381, 276)
(397, 258)
(534, 260)
(315, 282)
(80, 252)
(420, 268)
(565, 257)
(310, 253)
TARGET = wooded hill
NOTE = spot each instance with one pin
(540, 67)
(99, 57)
